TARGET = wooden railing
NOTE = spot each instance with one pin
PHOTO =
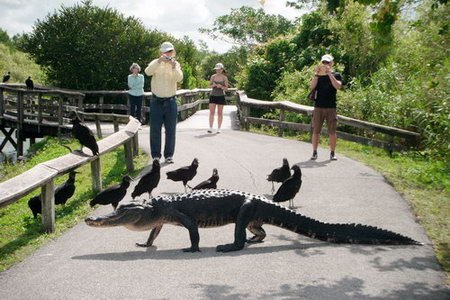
(43, 175)
(245, 104)
(39, 112)
(118, 101)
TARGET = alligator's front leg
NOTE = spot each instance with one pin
(191, 226)
(151, 238)
(243, 219)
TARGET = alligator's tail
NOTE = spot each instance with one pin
(333, 233)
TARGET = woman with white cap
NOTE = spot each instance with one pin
(219, 85)
(166, 73)
(326, 83)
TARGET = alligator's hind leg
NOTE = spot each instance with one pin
(151, 238)
(257, 230)
(243, 219)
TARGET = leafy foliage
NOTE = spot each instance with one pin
(247, 26)
(91, 48)
(234, 61)
(20, 66)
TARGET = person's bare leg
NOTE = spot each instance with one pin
(212, 112)
(315, 141)
(333, 138)
(219, 116)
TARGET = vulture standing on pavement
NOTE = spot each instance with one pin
(210, 183)
(290, 187)
(280, 174)
(112, 195)
(184, 174)
(149, 181)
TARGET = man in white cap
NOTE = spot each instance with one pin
(166, 73)
(326, 83)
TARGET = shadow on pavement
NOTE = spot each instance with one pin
(178, 254)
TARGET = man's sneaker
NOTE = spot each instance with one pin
(156, 158)
(314, 155)
(333, 156)
(169, 160)
(218, 130)
(210, 130)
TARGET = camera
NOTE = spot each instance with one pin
(168, 58)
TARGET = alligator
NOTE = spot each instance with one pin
(213, 208)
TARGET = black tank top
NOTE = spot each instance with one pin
(326, 93)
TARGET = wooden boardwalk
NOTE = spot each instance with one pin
(87, 263)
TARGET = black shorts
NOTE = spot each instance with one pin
(217, 100)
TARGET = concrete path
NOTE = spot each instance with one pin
(92, 263)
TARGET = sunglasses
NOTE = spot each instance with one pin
(326, 62)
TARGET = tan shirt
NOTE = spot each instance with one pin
(164, 78)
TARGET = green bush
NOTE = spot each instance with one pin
(20, 66)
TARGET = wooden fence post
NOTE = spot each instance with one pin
(48, 206)
(136, 144)
(60, 114)
(99, 127)
(128, 104)
(100, 103)
(96, 176)
(19, 132)
(246, 113)
(80, 102)
(280, 127)
(128, 148)
(116, 124)
(2, 102)
(39, 112)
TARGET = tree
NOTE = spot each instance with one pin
(247, 26)
(234, 61)
(90, 48)
(4, 37)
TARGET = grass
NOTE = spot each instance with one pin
(422, 181)
(20, 233)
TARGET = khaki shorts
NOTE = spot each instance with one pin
(320, 114)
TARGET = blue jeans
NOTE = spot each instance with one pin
(163, 111)
(136, 106)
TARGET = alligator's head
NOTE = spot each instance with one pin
(134, 216)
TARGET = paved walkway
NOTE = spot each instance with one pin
(92, 263)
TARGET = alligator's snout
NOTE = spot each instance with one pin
(92, 221)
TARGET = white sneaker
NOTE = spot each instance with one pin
(210, 130)
(218, 130)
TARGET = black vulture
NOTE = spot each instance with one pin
(290, 187)
(6, 77)
(65, 190)
(184, 174)
(83, 134)
(210, 183)
(112, 195)
(35, 205)
(280, 174)
(29, 83)
(62, 193)
(149, 181)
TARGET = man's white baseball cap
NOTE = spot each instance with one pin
(166, 47)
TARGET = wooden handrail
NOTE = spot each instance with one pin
(44, 174)
(245, 103)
